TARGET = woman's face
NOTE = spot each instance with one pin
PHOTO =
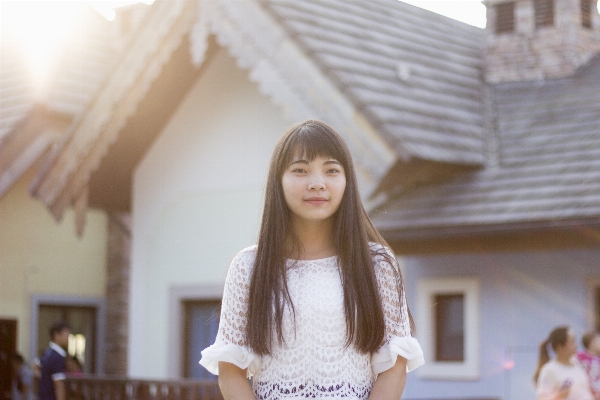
(594, 346)
(313, 190)
(570, 346)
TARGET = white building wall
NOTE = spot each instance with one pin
(197, 199)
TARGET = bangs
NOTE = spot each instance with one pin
(310, 141)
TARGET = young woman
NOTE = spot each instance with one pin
(589, 359)
(561, 378)
(317, 308)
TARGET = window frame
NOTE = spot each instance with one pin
(427, 290)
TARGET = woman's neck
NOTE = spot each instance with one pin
(564, 358)
(316, 239)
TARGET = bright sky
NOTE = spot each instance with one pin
(469, 11)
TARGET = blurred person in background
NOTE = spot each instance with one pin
(561, 378)
(22, 384)
(53, 366)
(74, 367)
(589, 359)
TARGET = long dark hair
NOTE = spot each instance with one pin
(269, 295)
(558, 337)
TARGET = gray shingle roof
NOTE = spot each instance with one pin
(415, 74)
(549, 151)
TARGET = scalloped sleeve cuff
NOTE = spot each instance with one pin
(231, 353)
(407, 347)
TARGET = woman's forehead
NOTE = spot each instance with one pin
(309, 153)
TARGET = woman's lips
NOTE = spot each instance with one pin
(316, 200)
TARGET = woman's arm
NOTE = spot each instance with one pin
(233, 382)
(389, 384)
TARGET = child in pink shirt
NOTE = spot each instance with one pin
(590, 359)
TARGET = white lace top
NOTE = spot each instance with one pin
(313, 362)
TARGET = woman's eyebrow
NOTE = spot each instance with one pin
(331, 162)
(299, 162)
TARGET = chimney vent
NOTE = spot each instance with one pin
(539, 39)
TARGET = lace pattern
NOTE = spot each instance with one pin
(313, 361)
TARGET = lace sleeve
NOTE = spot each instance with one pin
(398, 340)
(230, 344)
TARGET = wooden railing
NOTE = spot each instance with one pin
(93, 387)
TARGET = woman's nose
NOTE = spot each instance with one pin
(316, 186)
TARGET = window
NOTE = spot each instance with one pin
(448, 327)
(82, 321)
(544, 13)
(597, 308)
(85, 315)
(201, 326)
(586, 13)
(505, 17)
(593, 303)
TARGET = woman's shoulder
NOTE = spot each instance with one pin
(384, 260)
(249, 251)
(379, 252)
(244, 260)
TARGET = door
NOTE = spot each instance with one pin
(8, 347)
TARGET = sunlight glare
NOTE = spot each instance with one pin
(39, 28)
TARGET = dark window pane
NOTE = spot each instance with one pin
(201, 326)
(449, 327)
(544, 13)
(505, 17)
(586, 13)
(597, 307)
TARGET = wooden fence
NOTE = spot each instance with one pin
(92, 387)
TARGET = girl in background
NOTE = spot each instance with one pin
(561, 378)
(589, 359)
(317, 308)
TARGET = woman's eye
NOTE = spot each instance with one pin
(298, 170)
(333, 171)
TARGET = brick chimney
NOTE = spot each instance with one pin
(539, 39)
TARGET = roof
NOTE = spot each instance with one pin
(374, 69)
(81, 66)
(417, 75)
(547, 172)
(403, 85)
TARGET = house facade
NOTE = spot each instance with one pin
(47, 271)
(482, 180)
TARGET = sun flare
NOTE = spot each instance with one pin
(37, 32)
